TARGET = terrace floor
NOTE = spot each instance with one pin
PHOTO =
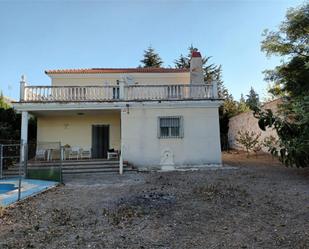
(261, 204)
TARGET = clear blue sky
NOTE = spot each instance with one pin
(39, 35)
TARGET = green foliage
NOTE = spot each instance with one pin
(292, 42)
(242, 105)
(3, 103)
(270, 143)
(151, 58)
(292, 148)
(10, 125)
(249, 140)
(290, 81)
(253, 100)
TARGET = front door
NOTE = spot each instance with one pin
(100, 141)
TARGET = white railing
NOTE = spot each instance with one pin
(168, 92)
(72, 93)
(120, 92)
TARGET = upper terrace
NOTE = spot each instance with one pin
(112, 85)
(122, 85)
(120, 92)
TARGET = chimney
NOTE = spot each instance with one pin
(196, 68)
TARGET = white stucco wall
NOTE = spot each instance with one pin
(247, 122)
(200, 144)
(111, 78)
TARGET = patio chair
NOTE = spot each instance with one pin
(40, 154)
(85, 153)
(74, 153)
(112, 154)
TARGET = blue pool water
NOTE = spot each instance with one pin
(29, 187)
(6, 187)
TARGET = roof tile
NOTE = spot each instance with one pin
(117, 70)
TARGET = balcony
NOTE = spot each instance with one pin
(114, 93)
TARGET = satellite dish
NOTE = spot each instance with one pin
(129, 79)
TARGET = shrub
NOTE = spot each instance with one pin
(249, 140)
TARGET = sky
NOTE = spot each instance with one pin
(40, 35)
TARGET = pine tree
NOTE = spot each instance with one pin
(182, 62)
(253, 100)
(242, 105)
(151, 58)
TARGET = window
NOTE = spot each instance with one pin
(170, 127)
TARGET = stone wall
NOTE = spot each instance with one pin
(247, 122)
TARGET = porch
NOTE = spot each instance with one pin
(87, 134)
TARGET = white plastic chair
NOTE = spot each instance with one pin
(40, 154)
(74, 153)
(85, 153)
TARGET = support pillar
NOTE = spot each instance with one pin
(121, 143)
(215, 89)
(24, 132)
(121, 90)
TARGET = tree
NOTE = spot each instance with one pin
(3, 102)
(253, 100)
(249, 140)
(242, 105)
(211, 71)
(290, 81)
(151, 58)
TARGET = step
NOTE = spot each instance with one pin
(93, 171)
(72, 165)
(96, 162)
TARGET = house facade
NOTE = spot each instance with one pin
(154, 117)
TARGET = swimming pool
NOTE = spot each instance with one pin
(6, 187)
(29, 187)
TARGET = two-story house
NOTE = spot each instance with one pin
(156, 117)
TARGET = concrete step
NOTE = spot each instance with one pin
(95, 171)
(76, 168)
(79, 162)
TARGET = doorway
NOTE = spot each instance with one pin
(100, 141)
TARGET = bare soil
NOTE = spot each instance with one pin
(257, 204)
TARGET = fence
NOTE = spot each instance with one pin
(9, 155)
(33, 160)
(44, 161)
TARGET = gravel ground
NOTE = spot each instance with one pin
(260, 204)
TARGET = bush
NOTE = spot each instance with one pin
(249, 140)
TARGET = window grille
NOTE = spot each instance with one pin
(170, 127)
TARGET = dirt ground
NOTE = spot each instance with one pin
(258, 204)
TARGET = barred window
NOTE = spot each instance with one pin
(170, 127)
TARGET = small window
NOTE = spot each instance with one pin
(170, 127)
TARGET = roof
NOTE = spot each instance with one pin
(117, 70)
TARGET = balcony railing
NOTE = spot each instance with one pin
(120, 92)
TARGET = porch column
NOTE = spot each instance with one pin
(121, 143)
(22, 88)
(215, 89)
(24, 132)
